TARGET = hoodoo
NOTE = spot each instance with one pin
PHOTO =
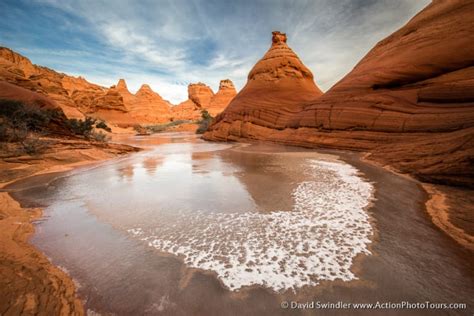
(278, 86)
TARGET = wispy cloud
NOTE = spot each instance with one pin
(170, 43)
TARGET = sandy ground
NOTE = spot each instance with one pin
(29, 283)
(451, 208)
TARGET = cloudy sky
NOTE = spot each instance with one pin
(171, 43)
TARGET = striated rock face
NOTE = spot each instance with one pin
(149, 106)
(22, 65)
(19, 71)
(409, 101)
(278, 86)
(122, 89)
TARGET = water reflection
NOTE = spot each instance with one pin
(126, 172)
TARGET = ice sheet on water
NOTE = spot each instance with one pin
(315, 241)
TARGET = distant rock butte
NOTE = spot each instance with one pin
(79, 98)
(201, 97)
(200, 94)
(222, 98)
(409, 101)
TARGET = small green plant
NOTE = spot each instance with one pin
(81, 127)
(204, 123)
(23, 125)
(33, 145)
(34, 119)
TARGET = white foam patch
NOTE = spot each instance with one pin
(315, 241)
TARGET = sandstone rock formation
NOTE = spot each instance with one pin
(200, 94)
(187, 110)
(122, 89)
(18, 70)
(222, 98)
(145, 107)
(149, 106)
(409, 101)
(79, 98)
(76, 96)
(117, 105)
(201, 97)
(278, 87)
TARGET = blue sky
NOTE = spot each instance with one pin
(169, 44)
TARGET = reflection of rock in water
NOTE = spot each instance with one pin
(202, 155)
(316, 241)
(151, 163)
(126, 172)
(258, 171)
(200, 160)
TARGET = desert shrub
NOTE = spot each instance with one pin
(19, 122)
(205, 115)
(81, 127)
(3, 131)
(33, 145)
(204, 123)
(103, 125)
(17, 114)
(23, 124)
(98, 136)
(140, 130)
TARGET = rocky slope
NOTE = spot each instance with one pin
(201, 97)
(409, 102)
